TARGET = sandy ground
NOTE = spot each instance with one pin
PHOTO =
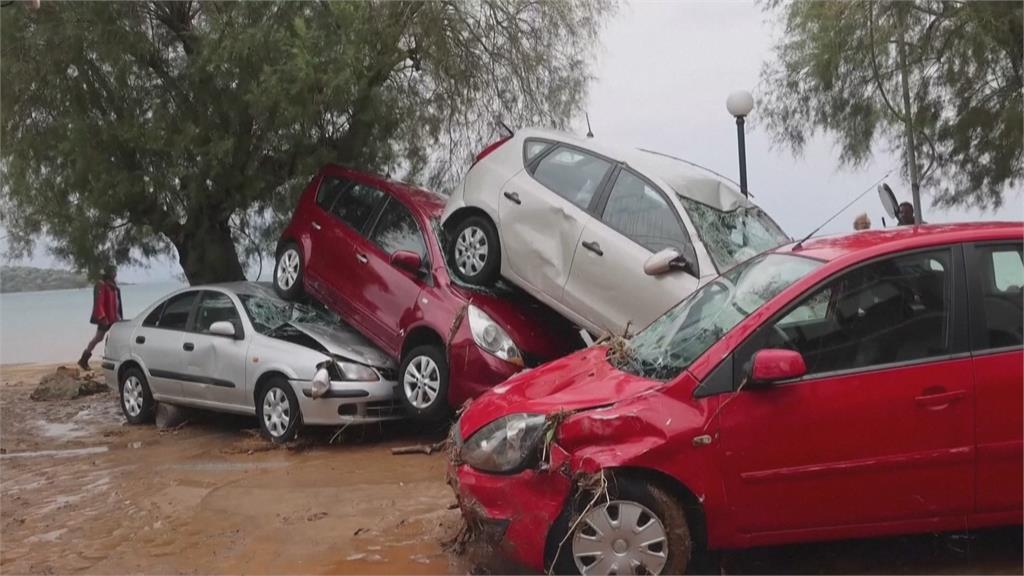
(81, 492)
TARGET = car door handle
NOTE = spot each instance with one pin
(940, 398)
(140, 339)
(188, 346)
(513, 196)
(316, 226)
(362, 258)
(593, 247)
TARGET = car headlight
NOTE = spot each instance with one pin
(491, 337)
(352, 372)
(505, 444)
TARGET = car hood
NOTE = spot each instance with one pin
(578, 382)
(346, 342)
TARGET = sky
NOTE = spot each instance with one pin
(663, 71)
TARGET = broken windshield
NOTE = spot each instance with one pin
(267, 315)
(673, 341)
(734, 236)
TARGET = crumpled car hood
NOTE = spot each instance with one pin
(577, 382)
(346, 342)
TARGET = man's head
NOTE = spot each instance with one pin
(862, 222)
(110, 273)
(905, 215)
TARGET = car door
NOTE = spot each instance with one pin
(997, 332)
(214, 365)
(543, 210)
(607, 283)
(158, 342)
(352, 214)
(881, 429)
(322, 226)
(388, 293)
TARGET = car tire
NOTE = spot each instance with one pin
(648, 505)
(137, 402)
(423, 384)
(476, 237)
(278, 412)
(288, 272)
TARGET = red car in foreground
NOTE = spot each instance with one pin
(852, 386)
(369, 249)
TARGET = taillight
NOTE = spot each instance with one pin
(483, 153)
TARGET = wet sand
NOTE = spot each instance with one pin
(84, 493)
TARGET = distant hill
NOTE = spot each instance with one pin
(28, 279)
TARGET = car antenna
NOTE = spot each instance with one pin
(800, 244)
(590, 133)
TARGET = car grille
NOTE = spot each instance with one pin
(390, 374)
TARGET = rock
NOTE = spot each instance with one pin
(67, 384)
(170, 416)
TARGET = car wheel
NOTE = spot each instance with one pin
(638, 528)
(288, 272)
(475, 251)
(136, 400)
(278, 411)
(424, 383)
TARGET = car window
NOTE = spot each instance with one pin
(572, 174)
(356, 204)
(1002, 271)
(639, 211)
(894, 310)
(176, 311)
(533, 148)
(330, 188)
(216, 307)
(397, 230)
(153, 317)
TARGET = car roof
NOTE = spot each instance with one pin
(429, 204)
(868, 243)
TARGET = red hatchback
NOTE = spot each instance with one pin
(852, 386)
(368, 248)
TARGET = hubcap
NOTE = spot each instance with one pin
(471, 251)
(421, 382)
(288, 269)
(277, 412)
(131, 395)
(620, 537)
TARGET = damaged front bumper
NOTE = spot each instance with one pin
(348, 402)
(514, 513)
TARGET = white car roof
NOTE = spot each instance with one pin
(684, 178)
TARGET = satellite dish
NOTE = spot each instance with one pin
(888, 199)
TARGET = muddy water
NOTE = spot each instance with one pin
(82, 493)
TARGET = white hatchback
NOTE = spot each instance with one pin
(652, 227)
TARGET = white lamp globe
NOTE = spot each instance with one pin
(739, 103)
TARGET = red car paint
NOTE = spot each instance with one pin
(833, 457)
(398, 310)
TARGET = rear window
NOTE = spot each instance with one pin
(330, 188)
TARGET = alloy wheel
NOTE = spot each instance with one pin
(471, 250)
(277, 412)
(620, 537)
(288, 269)
(131, 395)
(421, 382)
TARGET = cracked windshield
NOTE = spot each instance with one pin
(676, 339)
(734, 236)
(268, 315)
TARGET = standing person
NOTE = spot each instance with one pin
(862, 222)
(905, 215)
(106, 309)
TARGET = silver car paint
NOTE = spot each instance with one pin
(247, 361)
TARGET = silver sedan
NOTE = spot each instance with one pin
(239, 348)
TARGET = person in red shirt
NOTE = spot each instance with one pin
(106, 309)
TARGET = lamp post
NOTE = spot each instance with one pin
(739, 104)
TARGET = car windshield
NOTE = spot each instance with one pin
(269, 314)
(673, 341)
(734, 236)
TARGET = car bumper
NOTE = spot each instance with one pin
(347, 403)
(513, 513)
(109, 366)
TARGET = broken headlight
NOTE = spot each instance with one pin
(352, 372)
(505, 444)
(491, 337)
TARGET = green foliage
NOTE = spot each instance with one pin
(837, 70)
(131, 129)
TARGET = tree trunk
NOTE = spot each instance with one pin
(908, 117)
(207, 253)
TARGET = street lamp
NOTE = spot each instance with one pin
(739, 104)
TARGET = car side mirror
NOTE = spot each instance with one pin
(408, 261)
(667, 260)
(223, 328)
(774, 365)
